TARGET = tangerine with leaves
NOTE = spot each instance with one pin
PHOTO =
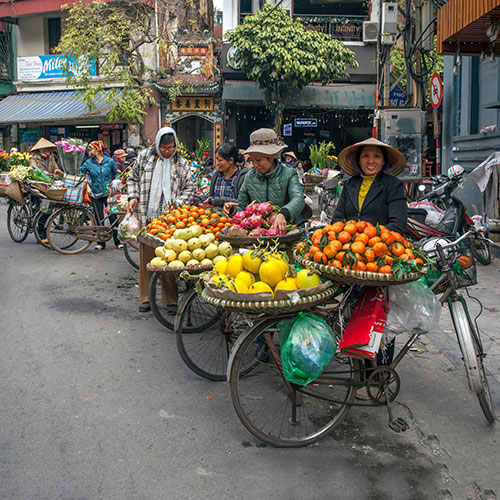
(344, 237)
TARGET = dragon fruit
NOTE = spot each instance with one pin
(251, 209)
(270, 219)
(239, 228)
(259, 231)
(238, 217)
(264, 209)
(273, 231)
(253, 222)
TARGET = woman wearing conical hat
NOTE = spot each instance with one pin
(373, 193)
(43, 155)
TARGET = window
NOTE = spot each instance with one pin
(53, 32)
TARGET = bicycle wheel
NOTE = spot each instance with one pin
(36, 229)
(18, 222)
(131, 251)
(203, 337)
(61, 229)
(481, 250)
(276, 411)
(159, 310)
(474, 368)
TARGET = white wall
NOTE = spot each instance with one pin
(30, 36)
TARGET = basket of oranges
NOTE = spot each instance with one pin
(362, 253)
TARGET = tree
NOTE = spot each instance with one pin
(121, 38)
(279, 54)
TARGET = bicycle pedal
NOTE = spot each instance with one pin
(399, 425)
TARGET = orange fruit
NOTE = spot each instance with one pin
(385, 270)
(380, 249)
(320, 257)
(337, 226)
(372, 267)
(409, 252)
(370, 230)
(386, 237)
(350, 228)
(340, 257)
(361, 225)
(358, 247)
(360, 266)
(374, 240)
(397, 236)
(344, 236)
(336, 244)
(330, 251)
(389, 260)
(346, 246)
(418, 260)
(397, 249)
(362, 237)
(369, 255)
(332, 235)
(335, 263)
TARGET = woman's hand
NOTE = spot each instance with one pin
(58, 172)
(280, 224)
(227, 207)
(131, 205)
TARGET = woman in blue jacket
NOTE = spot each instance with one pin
(102, 170)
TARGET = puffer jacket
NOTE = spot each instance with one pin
(101, 174)
(281, 187)
(48, 164)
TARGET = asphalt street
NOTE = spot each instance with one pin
(96, 404)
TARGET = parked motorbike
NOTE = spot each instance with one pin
(440, 214)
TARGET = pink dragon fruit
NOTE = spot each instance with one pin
(252, 222)
(273, 232)
(264, 209)
(259, 231)
(238, 217)
(270, 219)
(251, 209)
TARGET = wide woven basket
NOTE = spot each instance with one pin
(178, 270)
(357, 277)
(247, 241)
(269, 306)
(56, 194)
(150, 240)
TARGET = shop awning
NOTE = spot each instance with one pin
(43, 107)
(333, 96)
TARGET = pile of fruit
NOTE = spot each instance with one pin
(211, 221)
(256, 220)
(261, 271)
(361, 246)
(190, 247)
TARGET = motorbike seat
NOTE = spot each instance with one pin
(417, 211)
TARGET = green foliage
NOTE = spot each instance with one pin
(115, 36)
(282, 56)
(434, 62)
(319, 155)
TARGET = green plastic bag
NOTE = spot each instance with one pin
(307, 348)
(39, 175)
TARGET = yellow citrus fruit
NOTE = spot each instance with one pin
(259, 287)
(234, 265)
(307, 279)
(270, 272)
(239, 286)
(251, 263)
(221, 266)
(286, 284)
(246, 277)
(279, 259)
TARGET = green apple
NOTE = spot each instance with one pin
(179, 245)
(206, 262)
(196, 230)
(211, 251)
(184, 256)
(225, 248)
(205, 240)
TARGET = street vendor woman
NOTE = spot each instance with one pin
(270, 180)
(43, 155)
(159, 177)
(373, 193)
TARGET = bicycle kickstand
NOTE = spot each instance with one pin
(397, 424)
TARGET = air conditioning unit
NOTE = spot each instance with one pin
(370, 32)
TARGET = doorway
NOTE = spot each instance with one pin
(193, 128)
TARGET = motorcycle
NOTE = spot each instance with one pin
(440, 214)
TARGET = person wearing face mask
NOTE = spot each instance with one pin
(270, 180)
(102, 170)
(43, 156)
(159, 177)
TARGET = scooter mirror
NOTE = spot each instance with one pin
(421, 188)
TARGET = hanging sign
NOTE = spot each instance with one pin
(287, 129)
(193, 103)
(42, 67)
(436, 90)
(305, 122)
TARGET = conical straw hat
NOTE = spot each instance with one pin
(42, 143)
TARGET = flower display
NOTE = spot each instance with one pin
(71, 152)
(4, 161)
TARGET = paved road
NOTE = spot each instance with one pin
(96, 404)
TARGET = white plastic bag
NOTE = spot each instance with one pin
(412, 306)
(129, 228)
(434, 213)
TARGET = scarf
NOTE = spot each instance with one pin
(160, 185)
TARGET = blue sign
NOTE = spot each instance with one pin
(306, 122)
(397, 97)
(287, 129)
(45, 67)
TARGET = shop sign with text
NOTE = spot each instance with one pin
(306, 122)
(52, 66)
(195, 103)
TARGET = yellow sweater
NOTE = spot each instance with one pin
(364, 188)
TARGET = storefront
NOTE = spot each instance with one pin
(55, 115)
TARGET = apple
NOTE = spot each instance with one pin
(225, 248)
(205, 240)
(196, 230)
(211, 251)
(184, 256)
(179, 245)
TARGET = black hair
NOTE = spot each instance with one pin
(384, 153)
(228, 151)
(167, 139)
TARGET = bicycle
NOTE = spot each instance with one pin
(284, 414)
(131, 252)
(329, 192)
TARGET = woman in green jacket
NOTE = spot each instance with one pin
(270, 180)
